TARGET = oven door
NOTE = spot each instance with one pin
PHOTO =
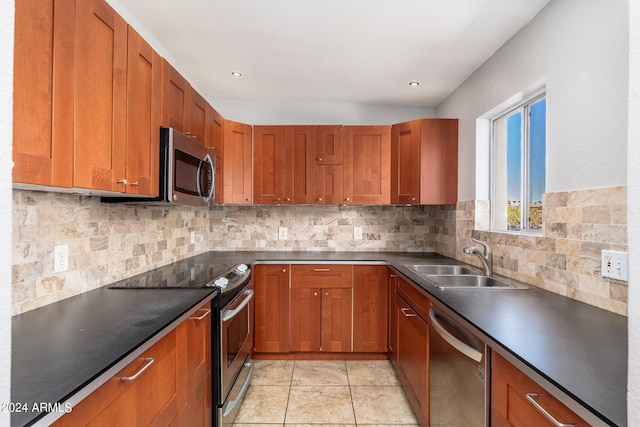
(237, 339)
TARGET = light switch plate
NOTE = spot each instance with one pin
(615, 265)
(193, 237)
(60, 258)
(357, 233)
(282, 233)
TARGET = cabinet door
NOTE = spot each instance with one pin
(393, 320)
(271, 308)
(268, 164)
(405, 163)
(510, 405)
(144, 78)
(194, 364)
(43, 92)
(370, 308)
(439, 161)
(413, 358)
(306, 306)
(367, 162)
(174, 98)
(237, 167)
(329, 145)
(100, 97)
(299, 170)
(196, 116)
(336, 320)
(149, 398)
(215, 136)
(329, 185)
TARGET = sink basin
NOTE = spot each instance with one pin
(431, 269)
(468, 281)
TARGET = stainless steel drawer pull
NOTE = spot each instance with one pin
(206, 313)
(531, 397)
(321, 270)
(408, 312)
(149, 360)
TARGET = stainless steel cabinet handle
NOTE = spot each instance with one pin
(531, 397)
(408, 312)
(122, 181)
(463, 348)
(206, 313)
(315, 294)
(321, 270)
(319, 159)
(134, 184)
(149, 360)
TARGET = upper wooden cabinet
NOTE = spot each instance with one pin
(196, 124)
(175, 90)
(43, 92)
(215, 136)
(367, 161)
(283, 164)
(144, 74)
(424, 162)
(237, 181)
(329, 145)
(100, 107)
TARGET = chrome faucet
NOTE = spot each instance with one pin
(486, 256)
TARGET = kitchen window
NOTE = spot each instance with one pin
(519, 166)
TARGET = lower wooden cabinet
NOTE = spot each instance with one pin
(169, 384)
(370, 308)
(272, 308)
(412, 354)
(518, 401)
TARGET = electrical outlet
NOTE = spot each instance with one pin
(193, 237)
(357, 233)
(193, 273)
(615, 265)
(60, 258)
(282, 233)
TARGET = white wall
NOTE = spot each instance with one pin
(6, 128)
(296, 112)
(633, 199)
(580, 48)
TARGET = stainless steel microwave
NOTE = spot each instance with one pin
(187, 172)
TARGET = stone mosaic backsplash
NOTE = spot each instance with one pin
(110, 242)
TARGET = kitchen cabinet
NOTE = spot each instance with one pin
(271, 308)
(516, 400)
(367, 162)
(393, 320)
(144, 78)
(329, 145)
(215, 136)
(194, 359)
(183, 108)
(321, 308)
(370, 308)
(329, 170)
(144, 392)
(99, 113)
(412, 351)
(237, 182)
(43, 92)
(424, 162)
(283, 164)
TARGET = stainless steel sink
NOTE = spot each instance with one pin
(468, 281)
(431, 269)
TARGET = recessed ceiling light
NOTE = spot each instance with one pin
(413, 84)
(236, 74)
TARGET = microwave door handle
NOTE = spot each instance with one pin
(208, 160)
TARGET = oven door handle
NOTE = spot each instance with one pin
(228, 315)
(232, 404)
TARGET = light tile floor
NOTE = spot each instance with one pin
(336, 393)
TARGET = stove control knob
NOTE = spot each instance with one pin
(221, 282)
(241, 269)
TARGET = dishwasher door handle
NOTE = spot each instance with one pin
(463, 348)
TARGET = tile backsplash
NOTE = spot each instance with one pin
(110, 242)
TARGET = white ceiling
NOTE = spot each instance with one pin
(362, 51)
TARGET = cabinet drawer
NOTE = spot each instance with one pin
(321, 276)
(415, 298)
(518, 400)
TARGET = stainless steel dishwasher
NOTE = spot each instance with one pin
(457, 366)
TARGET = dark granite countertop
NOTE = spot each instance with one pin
(578, 348)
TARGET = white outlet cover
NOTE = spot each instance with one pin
(60, 258)
(615, 265)
(357, 233)
(282, 233)
(193, 237)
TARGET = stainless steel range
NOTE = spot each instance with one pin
(231, 328)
